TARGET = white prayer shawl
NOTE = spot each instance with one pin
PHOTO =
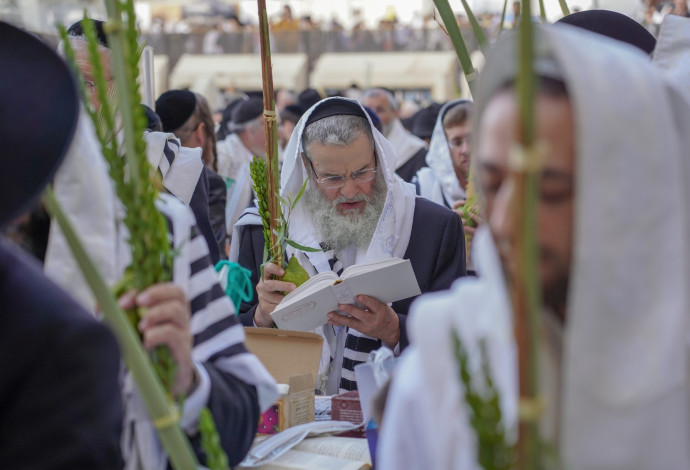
(624, 371)
(233, 163)
(672, 51)
(438, 181)
(405, 144)
(82, 186)
(181, 167)
(392, 233)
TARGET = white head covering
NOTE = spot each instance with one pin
(625, 371)
(440, 162)
(672, 51)
(392, 233)
(405, 144)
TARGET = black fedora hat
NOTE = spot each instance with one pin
(39, 108)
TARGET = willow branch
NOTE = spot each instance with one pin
(459, 45)
(526, 286)
(271, 130)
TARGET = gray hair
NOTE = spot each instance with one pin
(378, 92)
(340, 130)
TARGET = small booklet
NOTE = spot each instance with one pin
(307, 307)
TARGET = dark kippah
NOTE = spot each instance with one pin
(614, 25)
(247, 110)
(77, 30)
(335, 107)
(154, 120)
(174, 108)
(295, 109)
(375, 120)
(424, 121)
(308, 98)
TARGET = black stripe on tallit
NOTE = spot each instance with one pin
(212, 330)
(202, 300)
(361, 344)
(237, 348)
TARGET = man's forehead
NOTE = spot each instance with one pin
(358, 153)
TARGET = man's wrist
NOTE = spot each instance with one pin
(392, 340)
(259, 320)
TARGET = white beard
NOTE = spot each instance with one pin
(338, 231)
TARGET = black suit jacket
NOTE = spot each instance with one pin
(217, 195)
(410, 168)
(436, 251)
(60, 404)
(199, 205)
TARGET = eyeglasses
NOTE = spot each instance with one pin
(334, 182)
(460, 141)
(90, 86)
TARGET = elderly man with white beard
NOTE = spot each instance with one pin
(355, 209)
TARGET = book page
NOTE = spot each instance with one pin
(370, 266)
(350, 448)
(296, 459)
(388, 283)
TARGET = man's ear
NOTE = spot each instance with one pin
(305, 162)
(200, 134)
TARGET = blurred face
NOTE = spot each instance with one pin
(555, 204)
(382, 108)
(285, 132)
(459, 144)
(82, 59)
(351, 160)
(254, 137)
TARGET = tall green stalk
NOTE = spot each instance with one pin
(564, 7)
(133, 354)
(451, 25)
(271, 130)
(478, 33)
(542, 11)
(526, 287)
(503, 17)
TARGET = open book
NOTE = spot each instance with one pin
(319, 453)
(307, 307)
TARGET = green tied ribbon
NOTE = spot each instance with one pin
(239, 283)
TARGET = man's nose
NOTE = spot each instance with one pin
(349, 189)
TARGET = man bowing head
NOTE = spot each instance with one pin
(355, 210)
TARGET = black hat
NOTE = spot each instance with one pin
(335, 107)
(77, 29)
(614, 25)
(375, 119)
(424, 120)
(175, 107)
(247, 110)
(308, 98)
(35, 86)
